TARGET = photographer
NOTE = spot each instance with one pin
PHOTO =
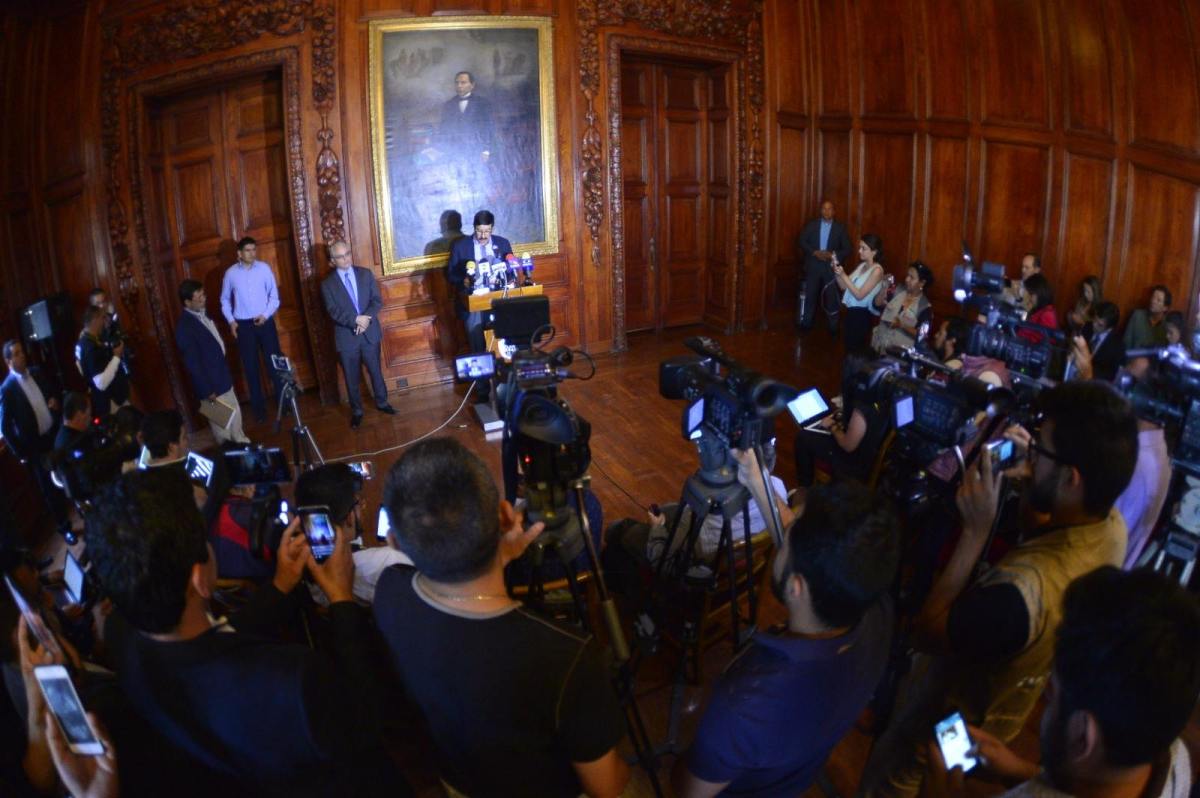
(1124, 683)
(851, 445)
(788, 698)
(100, 364)
(1142, 501)
(949, 344)
(76, 429)
(1100, 355)
(516, 704)
(992, 640)
(239, 712)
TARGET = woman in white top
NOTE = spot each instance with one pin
(861, 286)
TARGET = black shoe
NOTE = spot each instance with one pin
(391, 411)
(355, 420)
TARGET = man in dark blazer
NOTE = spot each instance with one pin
(1107, 345)
(353, 301)
(481, 247)
(821, 240)
(29, 419)
(203, 352)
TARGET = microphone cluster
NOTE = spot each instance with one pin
(498, 275)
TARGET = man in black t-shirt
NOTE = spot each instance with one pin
(517, 705)
(101, 364)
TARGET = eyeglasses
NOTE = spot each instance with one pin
(1041, 451)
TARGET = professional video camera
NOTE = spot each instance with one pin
(97, 460)
(264, 469)
(737, 409)
(1169, 395)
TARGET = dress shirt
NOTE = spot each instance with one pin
(825, 228)
(37, 401)
(347, 276)
(483, 250)
(249, 292)
(462, 103)
(209, 324)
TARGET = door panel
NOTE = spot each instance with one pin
(639, 195)
(684, 152)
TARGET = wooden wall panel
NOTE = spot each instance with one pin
(1012, 198)
(1014, 62)
(887, 166)
(885, 57)
(60, 134)
(1163, 96)
(1160, 245)
(946, 70)
(1087, 72)
(833, 58)
(1088, 185)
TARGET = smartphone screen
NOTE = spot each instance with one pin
(255, 466)
(1003, 454)
(68, 709)
(34, 620)
(954, 741)
(199, 468)
(362, 468)
(73, 578)
(383, 526)
(808, 407)
(319, 531)
(904, 411)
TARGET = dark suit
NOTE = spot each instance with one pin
(1108, 358)
(203, 357)
(18, 425)
(456, 270)
(354, 351)
(466, 134)
(819, 273)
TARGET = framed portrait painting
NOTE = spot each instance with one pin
(462, 120)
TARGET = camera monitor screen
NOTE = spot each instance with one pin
(257, 466)
(199, 468)
(475, 367)
(694, 418)
(808, 406)
(904, 411)
(73, 578)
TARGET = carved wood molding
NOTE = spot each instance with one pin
(201, 27)
(715, 23)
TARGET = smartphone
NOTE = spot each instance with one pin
(73, 578)
(318, 528)
(34, 620)
(1004, 454)
(808, 406)
(67, 709)
(363, 468)
(199, 468)
(904, 411)
(257, 465)
(475, 367)
(384, 525)
(953, 740)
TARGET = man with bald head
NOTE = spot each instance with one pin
(353, 301)
(823, 240)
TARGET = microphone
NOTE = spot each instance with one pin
(512, 267)
(527, 265)
(469, 283)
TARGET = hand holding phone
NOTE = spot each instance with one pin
(955, 743)
(67, 709)
(94, 776)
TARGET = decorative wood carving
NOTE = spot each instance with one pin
(716, 22)
(197, 28)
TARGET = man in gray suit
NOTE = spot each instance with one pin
(353, 301)
(821, 240)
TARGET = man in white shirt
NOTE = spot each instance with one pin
(29, 421)
(249, 300)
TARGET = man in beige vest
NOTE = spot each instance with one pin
(988, 643)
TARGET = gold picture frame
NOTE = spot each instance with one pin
(428, 161)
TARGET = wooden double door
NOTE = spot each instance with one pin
(676, 166)
(217, 170)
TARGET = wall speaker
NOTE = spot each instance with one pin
(47, 318)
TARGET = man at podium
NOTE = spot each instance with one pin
(484, 250)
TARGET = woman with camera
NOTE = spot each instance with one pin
(860, 288)
(1039, 304)
(1079, 319)
(904, 314)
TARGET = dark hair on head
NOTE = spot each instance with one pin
(1110, 313)
(90, 314)
(1175, 319)
(1095, 430)
(483, 217)
(1166, 292)
(855, 365)
(95, 292)
(958, 329)
(1039, 288)
(875, 244)
(144, 535)
(1092, 282)
(74, 403)
(1037, 259)
(188, 289)
(846, 545)
(334, 485)
(470, 77)
(9, 346)
(244, 242)
(160, 429)
(1128, 653)
(924, 273)
(442, 506)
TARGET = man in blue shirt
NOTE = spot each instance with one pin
(788, 698)
(249, 299)
(823, 239)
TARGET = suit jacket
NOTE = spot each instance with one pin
(340, 307)
(18, 422)
(456, 270)
(1108, 357)
(810, 242)
(203, 357)
(466, 134)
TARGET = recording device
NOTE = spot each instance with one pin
(67, 709)
(319, 531)
(97, 456)
(363, 468)
(1168, 395)
(199, 469)
(738, 408)
(74, 579)
(383, 525)
(34, 620)
(808, 408)
(283, 369)
(469, 368)
(257, 465)
(1004, 454)
(527, 267)
(955, 743)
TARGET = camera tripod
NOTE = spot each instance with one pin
(1173, 553)
(305, 454)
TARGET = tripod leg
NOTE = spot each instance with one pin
(731, 558)
(751, 587)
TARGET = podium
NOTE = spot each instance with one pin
(486, 412)
(482, 303)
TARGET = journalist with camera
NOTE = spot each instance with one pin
(100, 363)
(988, 642)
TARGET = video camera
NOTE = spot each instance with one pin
(283, 369)
(1168, 395)
(738, 409)
(97, 459)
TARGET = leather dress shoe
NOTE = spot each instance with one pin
(391, 411)
(355, 420)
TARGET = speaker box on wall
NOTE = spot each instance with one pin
(47, 318)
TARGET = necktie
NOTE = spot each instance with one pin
(351, 289)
